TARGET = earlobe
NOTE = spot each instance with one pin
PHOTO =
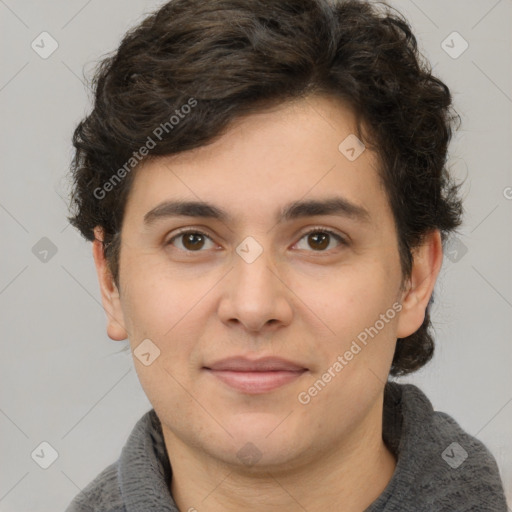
(426, 266)
(109, 293)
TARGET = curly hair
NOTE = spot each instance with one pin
(224, 59)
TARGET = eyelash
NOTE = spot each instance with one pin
(317, 229)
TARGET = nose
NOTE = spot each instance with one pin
(255, 295)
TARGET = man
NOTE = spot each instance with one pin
(265, 188)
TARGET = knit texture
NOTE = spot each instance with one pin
(440, 467)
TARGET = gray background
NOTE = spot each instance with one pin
(64, 381)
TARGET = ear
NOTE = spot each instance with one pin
(109, 293)
(426, 266)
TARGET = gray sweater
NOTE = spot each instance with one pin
(440, 467)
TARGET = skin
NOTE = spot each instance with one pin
(294, 301)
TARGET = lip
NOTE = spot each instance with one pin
(263, 364)
(255, 376)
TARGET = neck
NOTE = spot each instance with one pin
(348, 478)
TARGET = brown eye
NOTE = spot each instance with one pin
(191, 240)
(320, 239)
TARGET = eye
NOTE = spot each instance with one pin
(193, 240)
(319, 238)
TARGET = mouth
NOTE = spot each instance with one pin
(255, 376)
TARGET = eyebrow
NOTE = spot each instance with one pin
(298, 209)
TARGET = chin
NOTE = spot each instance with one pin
(262, 426)
(259, 456)
(257, 442)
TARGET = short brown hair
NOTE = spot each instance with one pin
(234, 57)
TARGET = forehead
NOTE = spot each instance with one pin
(266, 164)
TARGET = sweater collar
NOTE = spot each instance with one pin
(144, 470)
(413, 432)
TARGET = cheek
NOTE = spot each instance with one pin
(351, 297)
(164, 314)
(155, 303)
(169, 311)
(359, 307)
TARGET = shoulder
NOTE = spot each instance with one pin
(466, 457)
(447, 465)
(100, 495)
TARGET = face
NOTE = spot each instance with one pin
(259, 276)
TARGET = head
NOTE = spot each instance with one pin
(246, 107)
